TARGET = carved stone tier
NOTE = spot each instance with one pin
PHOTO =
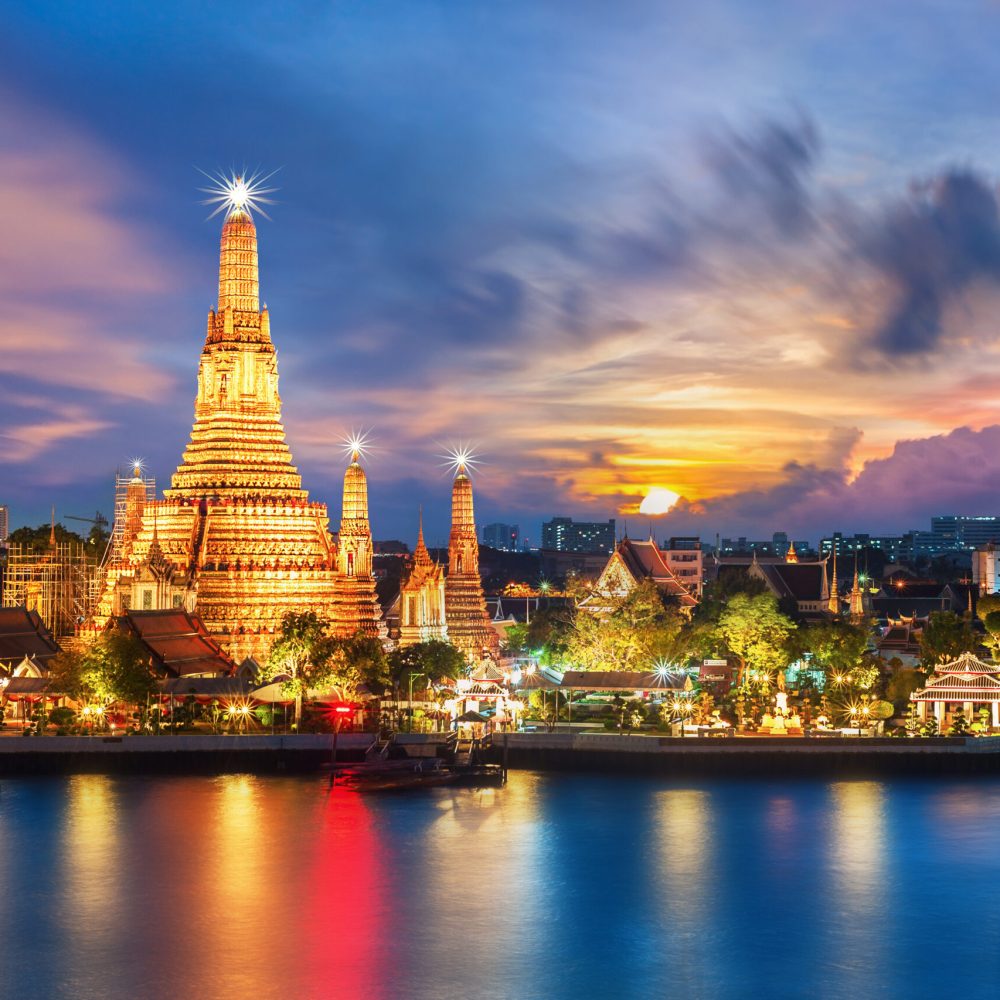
(469, 626)
(235, 527)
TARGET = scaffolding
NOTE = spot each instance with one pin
(123, 530)
(60, 582)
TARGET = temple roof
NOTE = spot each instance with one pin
(802, 581)
(620, 680)
(177, 641)
(967, 663)
(644, 561)
(24, 634)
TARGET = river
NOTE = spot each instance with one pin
(554, 887)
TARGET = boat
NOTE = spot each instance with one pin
(392, 775)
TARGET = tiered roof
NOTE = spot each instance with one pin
(23, 635)
(966, 679)
(178, 642)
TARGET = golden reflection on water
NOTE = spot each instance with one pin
(858, 844)
(90, 851)
(683, 816)
(486, 832)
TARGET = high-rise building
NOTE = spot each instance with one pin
(563, 534)
(957, 531)
(236, 522)
(4, 525)
(502, 536)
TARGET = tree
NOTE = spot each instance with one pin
(639, 631)
(756, 633)
(37, 539)
(902, 684)
(358, 661)
(837, 646)
(959, 724)
(300, 655)
(945, 637)
(115, 668)
(436, 660)
(991, 620)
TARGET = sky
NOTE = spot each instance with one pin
(746, 252)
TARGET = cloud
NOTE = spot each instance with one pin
(954, 473)
(76, 278)
(929, 247)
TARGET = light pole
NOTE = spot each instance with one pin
(410, 699)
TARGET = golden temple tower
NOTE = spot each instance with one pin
(469, 625)
(422, 598)
(356, 606)
(833, 605)
(235, 519)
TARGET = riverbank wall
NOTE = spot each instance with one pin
(176, 754)
(776, 757)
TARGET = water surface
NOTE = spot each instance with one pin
(555, 887)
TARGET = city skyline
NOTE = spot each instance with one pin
(758, 295)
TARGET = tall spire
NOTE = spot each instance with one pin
(354, 557)
(856, 607)
(355, 598)
(239, 287)
(52, 532)
(420, 553)
(791, 555)
(834, 604)
(468, 623)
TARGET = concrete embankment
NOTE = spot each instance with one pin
(760, 756)
(175, 754)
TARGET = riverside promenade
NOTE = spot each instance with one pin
(758, 756)
(668, 756)
(198, 753)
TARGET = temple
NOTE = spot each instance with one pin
(236, 535)
(422, 598)
(632, 563)
(469, 624)
(356, 606)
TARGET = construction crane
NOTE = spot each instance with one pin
(100, 522)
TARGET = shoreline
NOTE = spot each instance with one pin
(577, 752)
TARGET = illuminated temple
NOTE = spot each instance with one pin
(236, 535)
(469, 625)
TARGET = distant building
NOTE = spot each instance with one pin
(502, 536)
(986, 569)
(778, 546)
(891, 546)
(4, 525)
(684, 557)
(957, 531)
(563, 534)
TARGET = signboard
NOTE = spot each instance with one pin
(715, 672)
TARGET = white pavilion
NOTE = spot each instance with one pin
(967, 683)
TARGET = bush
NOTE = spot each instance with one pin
(62, 716)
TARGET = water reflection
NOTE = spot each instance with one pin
(90, 873)
(345, 949)
(686, 883)
(859, 888)
(556, 887)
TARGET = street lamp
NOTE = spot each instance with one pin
(410, 699)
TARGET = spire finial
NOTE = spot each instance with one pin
(52, 532)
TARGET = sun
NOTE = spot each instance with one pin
(659, 501)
